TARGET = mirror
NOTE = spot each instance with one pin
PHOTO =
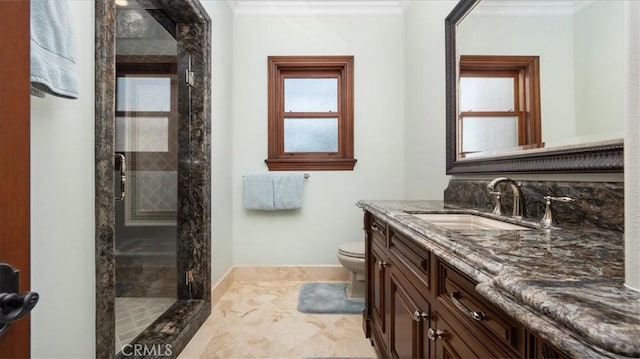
(535, 86)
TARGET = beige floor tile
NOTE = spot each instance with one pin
(260, 320)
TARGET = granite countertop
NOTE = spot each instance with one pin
(564, 284)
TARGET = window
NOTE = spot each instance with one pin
(310, 113)
(499, 104)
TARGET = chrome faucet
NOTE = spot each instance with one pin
(518, 207)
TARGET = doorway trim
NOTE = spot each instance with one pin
(179, 323)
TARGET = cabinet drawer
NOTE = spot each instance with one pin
(458, 292)
(378, 230)
(409, 257)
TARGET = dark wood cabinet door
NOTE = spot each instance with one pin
(408, 318)
(378, 282)
(539, 349)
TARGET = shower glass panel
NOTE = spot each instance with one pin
(146, 135)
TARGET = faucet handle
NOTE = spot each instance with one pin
(547, 219)
(497, 209)
(548, 199)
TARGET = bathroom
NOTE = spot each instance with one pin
(399, 140)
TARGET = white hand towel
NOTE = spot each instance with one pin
(258, 191)
(52, 50)
(288, 190)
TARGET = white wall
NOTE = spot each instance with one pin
(329, 216)
(424, 146)
(599, 71)
(62, 209)
(221, 138)
(632, 146)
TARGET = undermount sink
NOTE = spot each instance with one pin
(458, 221)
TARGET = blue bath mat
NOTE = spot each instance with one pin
(327, 298)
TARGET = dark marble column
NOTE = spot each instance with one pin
(105, 12)
(194, 168)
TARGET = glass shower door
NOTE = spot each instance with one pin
(146, 136)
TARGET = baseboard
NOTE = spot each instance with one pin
(294, 273)
(221, 287)
(318, 273)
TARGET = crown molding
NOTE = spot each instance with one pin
(317, 7)
(530, 7)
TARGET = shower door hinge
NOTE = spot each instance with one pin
(189, 277)
(190, 78)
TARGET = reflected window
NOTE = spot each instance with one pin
(310, 113)
(498, 104)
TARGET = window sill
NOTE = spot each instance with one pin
(305, 164)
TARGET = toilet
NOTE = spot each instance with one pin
(351, 256)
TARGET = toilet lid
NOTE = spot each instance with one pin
(352, 249)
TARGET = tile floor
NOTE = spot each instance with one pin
(134, 314)
(260, 320)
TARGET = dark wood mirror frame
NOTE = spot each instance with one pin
(588, 158)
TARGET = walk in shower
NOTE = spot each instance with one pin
(153, 200)
(146, 178)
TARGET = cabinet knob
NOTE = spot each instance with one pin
(419, 316)
(382, 264)
(377, 228)
(434, 335)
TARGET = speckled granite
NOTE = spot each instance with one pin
(194, 165)
(104, 205)
(597, 205)
(565, 285)
(194, 243)
(171, 332)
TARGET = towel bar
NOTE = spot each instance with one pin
(306, 175)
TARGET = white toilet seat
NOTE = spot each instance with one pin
(352, 249)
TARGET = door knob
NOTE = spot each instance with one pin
(13, 305)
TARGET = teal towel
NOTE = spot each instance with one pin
(287, 190)
(52, 50)
(258, 191)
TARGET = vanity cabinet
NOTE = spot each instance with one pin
(468, 325)
(378, 292)
(398, 310)
(377, 282)
(419, 306)
(539, 349)
(409, 318)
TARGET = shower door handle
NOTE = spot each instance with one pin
(123, 175)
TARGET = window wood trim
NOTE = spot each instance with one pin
(280, 67)
(526, 73)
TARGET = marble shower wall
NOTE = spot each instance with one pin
(597, 204)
